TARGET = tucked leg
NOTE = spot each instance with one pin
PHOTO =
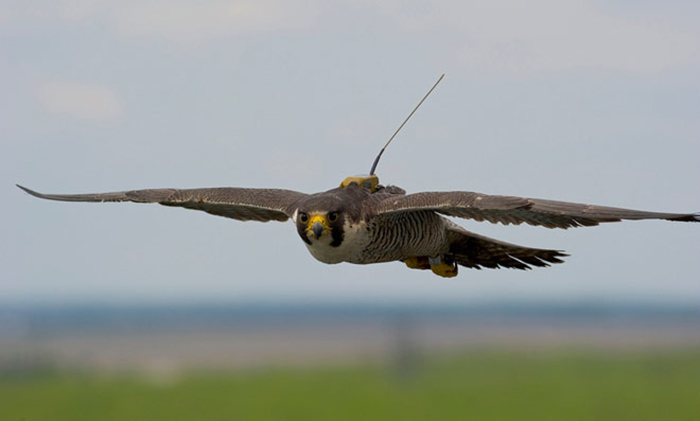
(443, 266)
(418, 262)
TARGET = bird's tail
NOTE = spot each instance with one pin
(476, 251)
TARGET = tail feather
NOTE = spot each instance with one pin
(476, 251)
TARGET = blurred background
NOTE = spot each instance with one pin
(122, 311)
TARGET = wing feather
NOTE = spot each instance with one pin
(230, 202)
(517, 210)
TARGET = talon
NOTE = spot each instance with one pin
(417, 262)
(440, 266)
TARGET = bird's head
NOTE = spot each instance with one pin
(324, 218)
(324, 226)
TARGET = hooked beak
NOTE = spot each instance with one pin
(317, 228)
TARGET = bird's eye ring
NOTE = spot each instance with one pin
(333, 216)
(303, 217)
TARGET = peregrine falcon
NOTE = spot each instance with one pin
(364, 222)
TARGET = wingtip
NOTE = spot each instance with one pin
(688, 217)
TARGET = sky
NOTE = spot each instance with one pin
(586, 101)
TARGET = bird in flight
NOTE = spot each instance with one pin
(364, 222)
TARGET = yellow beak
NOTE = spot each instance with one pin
(318, 225)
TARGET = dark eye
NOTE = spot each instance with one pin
(333, 216)
(303, 217)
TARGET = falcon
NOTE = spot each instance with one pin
(363, 222)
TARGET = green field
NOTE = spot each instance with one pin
(480, 386)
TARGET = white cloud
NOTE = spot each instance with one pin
(59, 10)
(546, 35)
(502, 36)
(193, 21)
(80, 100)
(180, 21)
(5, 13)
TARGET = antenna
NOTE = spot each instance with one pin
(376, 160)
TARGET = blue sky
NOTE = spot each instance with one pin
(587, 101)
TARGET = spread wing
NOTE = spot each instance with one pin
(516, 210)
(237, 203)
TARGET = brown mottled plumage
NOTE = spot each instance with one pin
(365, 225)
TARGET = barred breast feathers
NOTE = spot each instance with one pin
(401, 235)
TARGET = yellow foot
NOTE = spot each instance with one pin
(443, 268)
(417, 263)
(369, 182)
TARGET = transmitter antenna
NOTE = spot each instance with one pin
(376, 160)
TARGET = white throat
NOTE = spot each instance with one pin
(355, 239)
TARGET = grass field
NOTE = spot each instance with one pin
(476, 385)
